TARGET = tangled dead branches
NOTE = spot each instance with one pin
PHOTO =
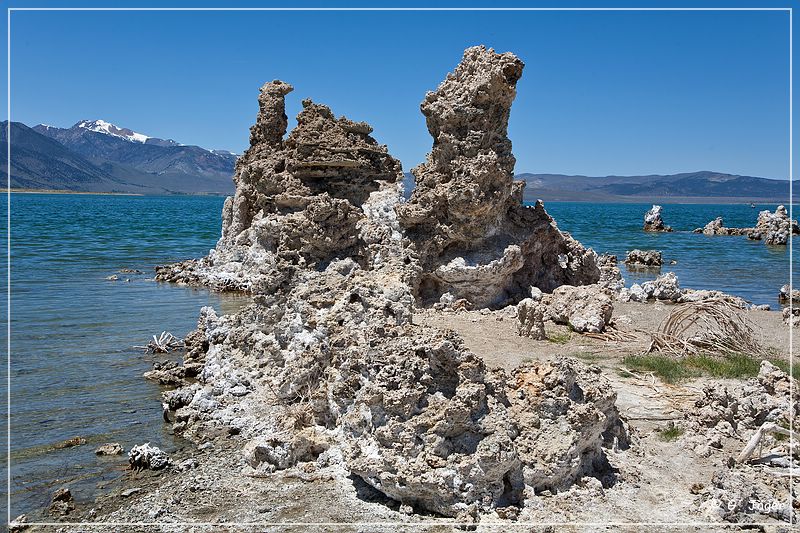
(165, 343)
(712, 325)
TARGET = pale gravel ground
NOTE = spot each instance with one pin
(654, 477)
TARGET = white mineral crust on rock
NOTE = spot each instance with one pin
(326, 363)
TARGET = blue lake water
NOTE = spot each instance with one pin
(735, 265)
(74, 371)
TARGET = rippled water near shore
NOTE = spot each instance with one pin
(75, 371)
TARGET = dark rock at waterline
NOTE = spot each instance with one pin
(110, 448)
(643, 259)
(62, 502)
(69, 443)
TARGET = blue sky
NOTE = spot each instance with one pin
(602, 92)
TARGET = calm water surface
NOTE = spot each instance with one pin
(75, 371)
(734, 265)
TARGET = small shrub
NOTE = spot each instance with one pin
(670, 433)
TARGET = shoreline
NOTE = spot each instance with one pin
(64, 191)
(99, 193)
(186, 492)
(681, 200)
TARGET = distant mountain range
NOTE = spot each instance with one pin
(97, 156)
(687, 187)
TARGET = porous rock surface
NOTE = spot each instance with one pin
(326, 365)
(586, 309)
(716, 227)
(465, 219)
(664, 287)
(643, 259)
(610, 274)
(774, 228)
(787, 294)
(146, 456)
(298, 201)
(735, 410)
(791, 316)
(725, 418)
(653, 221)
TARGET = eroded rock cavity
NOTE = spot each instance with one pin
(465, 218)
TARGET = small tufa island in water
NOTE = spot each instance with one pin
(453, 358)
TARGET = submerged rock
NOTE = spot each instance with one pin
(70, 443)
(774, 228)
(643, 259)
(716, 227)
(110, 448)
(465, 219)
(653, 221)
(62, 502)
(787, 294)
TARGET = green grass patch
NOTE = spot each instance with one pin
(669, 369)
(674, 369)
(732, 365)
(559, 338)
(670, 433)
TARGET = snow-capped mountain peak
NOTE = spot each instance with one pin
(101, 126)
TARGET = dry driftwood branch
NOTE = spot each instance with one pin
(641, 377)
(612, 335)
(755, 440)
(712, 325)
(164, 343)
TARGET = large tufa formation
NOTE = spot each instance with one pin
(465, 218)
(774, 228)
(299, 203)
(653, 221)
(331, 370)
